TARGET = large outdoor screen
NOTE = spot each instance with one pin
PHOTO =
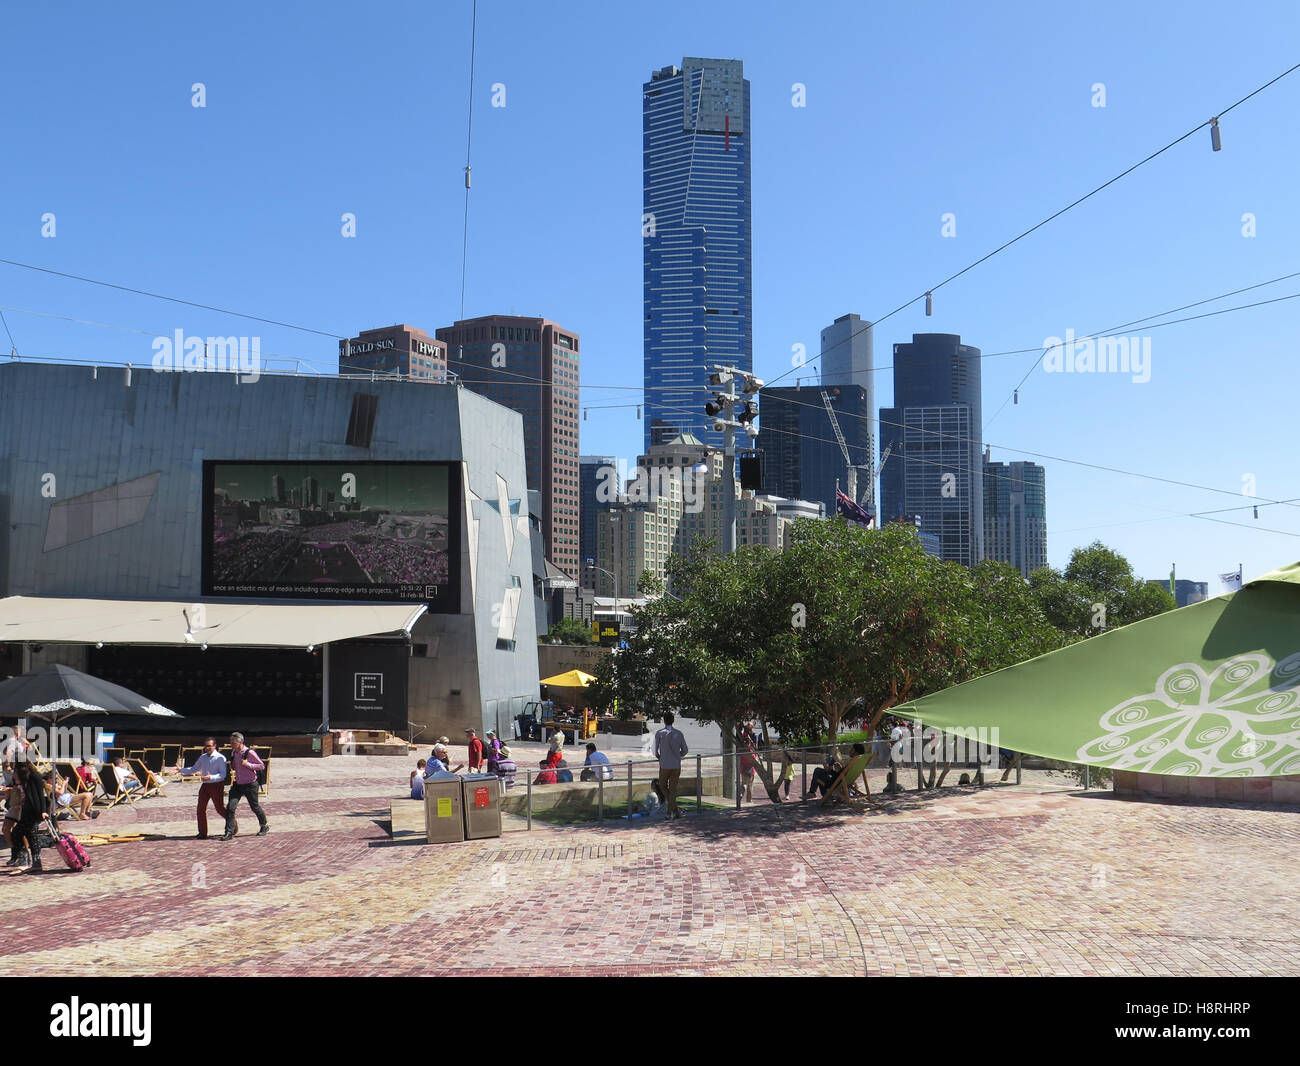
(357, 532)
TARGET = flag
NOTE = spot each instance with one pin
(852, 511)
(1232, 580)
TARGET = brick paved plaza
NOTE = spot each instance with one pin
(999, 881)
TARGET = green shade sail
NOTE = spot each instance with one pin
(1210, 690)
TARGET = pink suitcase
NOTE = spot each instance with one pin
(71, 850)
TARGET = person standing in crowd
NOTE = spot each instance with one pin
(211, 769)
(491, 748)
(33, 811)
(13, 807)
(787, 770)
(475, 752)
(670, 749)
(246, 763)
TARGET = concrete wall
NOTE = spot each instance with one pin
(1268, 790)
(554, 659)
(66, 431)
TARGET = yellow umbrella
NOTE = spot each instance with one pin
(570, 679)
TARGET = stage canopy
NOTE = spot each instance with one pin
(47, 620)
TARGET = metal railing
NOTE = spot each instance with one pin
(718, 781)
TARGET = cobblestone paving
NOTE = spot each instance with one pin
(997, 881)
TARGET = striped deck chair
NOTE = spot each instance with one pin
(149, 783)
(113, 794)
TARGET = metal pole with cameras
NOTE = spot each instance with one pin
(726, 419)
(722, 408)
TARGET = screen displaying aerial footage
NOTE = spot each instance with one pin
(355, 532)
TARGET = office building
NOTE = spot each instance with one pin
(394, 351)
(696, 238)
(935, 469)
(531, 365)
(675, 501)
(1015, 514)
(593, 500)
(801, 456)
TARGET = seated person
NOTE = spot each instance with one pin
(548, 776)
(77, 803)
(505, 767)
(417, 780)
(598, 767)
(824, 776)
(87, 774)
(437, 762)
(126, 779)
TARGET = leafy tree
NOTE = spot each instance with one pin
(567, 631)
(1096, 591)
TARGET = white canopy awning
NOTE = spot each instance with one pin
(47, 620)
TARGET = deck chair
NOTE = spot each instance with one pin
(111, 755)
(171, 754)
(189, 756)
(113, 794)
(69, 773)
(149, 784)
(848, 776)
(263, 776)
(155, 759)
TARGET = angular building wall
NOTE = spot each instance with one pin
(101, 485)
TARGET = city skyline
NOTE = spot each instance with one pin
(1172, 233)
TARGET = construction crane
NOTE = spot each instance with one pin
(851, 474)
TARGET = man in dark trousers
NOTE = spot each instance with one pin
(245, 763)
(32, 814)
(210, 767)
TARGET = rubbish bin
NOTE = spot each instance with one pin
(444, 818)
(482, 805)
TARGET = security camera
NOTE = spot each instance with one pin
(751, 430)
(719, 425)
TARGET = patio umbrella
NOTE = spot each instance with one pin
(569, 679)
(57, 693)
(1210, 690)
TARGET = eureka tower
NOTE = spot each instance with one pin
(696, 240)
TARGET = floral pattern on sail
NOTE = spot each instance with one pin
(1241, 720)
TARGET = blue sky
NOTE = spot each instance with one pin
(912, 111)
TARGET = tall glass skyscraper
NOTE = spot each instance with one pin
(936, 466)
(1015, 514)
(696, 239)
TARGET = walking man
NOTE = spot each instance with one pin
(246, 764)
(211, 768)
(670, 747)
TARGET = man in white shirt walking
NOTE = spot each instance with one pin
(670, 748)
(211, 770)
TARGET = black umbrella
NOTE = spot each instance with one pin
(59, 692)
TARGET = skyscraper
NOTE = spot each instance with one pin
(935, 470)
(1015, 514)
(696, 239)
(531, 366)
(591, 507)
(801, 457)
